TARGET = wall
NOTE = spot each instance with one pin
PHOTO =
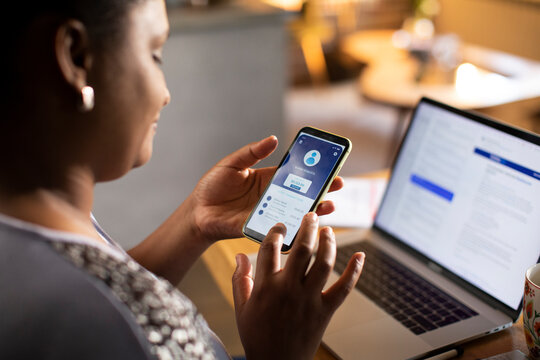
(506, 25)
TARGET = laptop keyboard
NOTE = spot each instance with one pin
(417, 304)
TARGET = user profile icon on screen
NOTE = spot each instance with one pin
(312, 158)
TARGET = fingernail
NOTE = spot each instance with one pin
(311, 216)
(360, 259)
(279, 227)
(328, 230)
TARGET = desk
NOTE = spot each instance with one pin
(220, 260)
(390, 77)
(390, 74)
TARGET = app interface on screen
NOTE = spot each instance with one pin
(467, 195)
(296, 184)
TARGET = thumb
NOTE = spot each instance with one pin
(251, 154)
(242, 282)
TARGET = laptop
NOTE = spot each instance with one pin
(457, 227)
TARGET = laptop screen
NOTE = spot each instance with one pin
(465, 192)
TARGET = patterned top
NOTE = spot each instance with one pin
(111, 300)
(170, 321)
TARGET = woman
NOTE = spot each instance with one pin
(82, 93)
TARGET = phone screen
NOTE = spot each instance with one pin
(298, 184)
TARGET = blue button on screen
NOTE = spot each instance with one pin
(432, 187)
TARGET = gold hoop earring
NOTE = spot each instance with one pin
(87, 99)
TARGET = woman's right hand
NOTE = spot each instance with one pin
(283, 313)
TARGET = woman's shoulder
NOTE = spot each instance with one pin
(170, 320)
(72, 283)
(47, 303)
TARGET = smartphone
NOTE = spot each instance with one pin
(300, 182)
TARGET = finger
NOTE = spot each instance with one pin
(268, 258)
(336, 294)
(250, 154)
(242, 282)
(325, 207)
(302, 248)
(324, 261)
(336, 184)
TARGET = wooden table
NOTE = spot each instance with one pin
(220, 260)
(490, 77)
(391, 74)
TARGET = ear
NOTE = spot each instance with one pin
(73, 53)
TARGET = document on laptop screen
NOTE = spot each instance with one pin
(467, 196)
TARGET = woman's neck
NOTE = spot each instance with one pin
(65, 208)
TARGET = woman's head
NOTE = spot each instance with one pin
(57, 48)
(104, 21)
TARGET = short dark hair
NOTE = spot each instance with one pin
(104, 20)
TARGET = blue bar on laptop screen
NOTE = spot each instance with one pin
(508, 163)
(434, 188)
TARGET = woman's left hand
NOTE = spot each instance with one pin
(226, 194)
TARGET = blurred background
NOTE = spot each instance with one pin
(239, 71)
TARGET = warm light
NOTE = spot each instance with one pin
(471, 81)
(467, 77)
(424, 29)
(287, 5)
